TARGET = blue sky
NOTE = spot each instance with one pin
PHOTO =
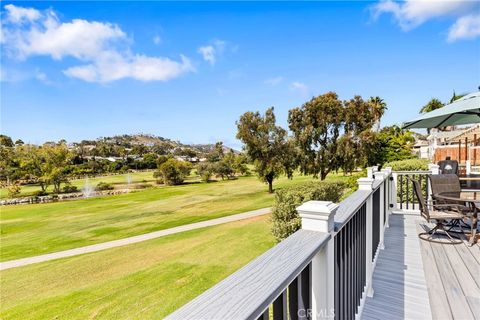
(187, 71)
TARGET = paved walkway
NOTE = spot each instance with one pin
(126, 241)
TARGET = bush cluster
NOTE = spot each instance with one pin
(408, 165)
(173, 172)
(69, 188)
(285, 217)
(101, 186)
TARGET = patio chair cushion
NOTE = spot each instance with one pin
(445, 215)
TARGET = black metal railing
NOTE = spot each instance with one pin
(406, 197)
(350, 265)
(375, 222)
(294, 302)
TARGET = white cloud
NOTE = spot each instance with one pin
(104, 47)
(157, 40)
(113, 67)
(274, 81)
(466, 27)
(212, 51)
(410, 14)
(300, 87)
(19, 14)
(208, 53)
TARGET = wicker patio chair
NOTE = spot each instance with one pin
(440, 183)
(448, 166)
(438, 214)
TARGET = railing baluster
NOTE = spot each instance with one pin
(280, 307)
(407, 187)
(304, 293)
(337, 275)
(349, 270)
(265, 315)
(401, 190)
(293, 299)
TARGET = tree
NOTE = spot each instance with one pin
(205, 170)
(456, 97)
(316, 127)
(378, 108)
(57, 157)
(174, 171)
(431, 105)
(217, 153)
(33, 164)
(267, 145)
(394, 143)
(150, 160)
(6, 141)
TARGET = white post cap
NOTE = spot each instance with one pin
(317, 215)
(434, 168)
(387, 169)
(365, 184)
(370, 172)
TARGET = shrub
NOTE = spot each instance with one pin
(69, 189)
(205, 171)
(352, 183)
(158, 177)
(142, 186)
(285, 217)
(101, 186)
(408, 165)
(174, 171)
(13, 190)
(39, 193)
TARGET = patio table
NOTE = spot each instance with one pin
(471, 197)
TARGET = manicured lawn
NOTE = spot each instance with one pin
(141, 281)
(29, 230)
(120, 179)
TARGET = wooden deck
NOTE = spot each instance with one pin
(453, 278)
(417, 279)
(400, 288)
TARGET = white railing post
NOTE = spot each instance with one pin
(381, 176)
(468, 167)
(367, 184)
(395, 191)
(434, 169)
(391, 196)
(318, 216)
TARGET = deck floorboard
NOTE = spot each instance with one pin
(400, 288)
(416, 279)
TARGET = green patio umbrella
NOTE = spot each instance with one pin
(465, 110)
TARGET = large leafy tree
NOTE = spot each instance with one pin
(267, 145)
(359, 117)
(57, 158)
(316, 127)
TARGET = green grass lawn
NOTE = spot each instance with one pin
(30, 230)
(140, 281)
(120, 179)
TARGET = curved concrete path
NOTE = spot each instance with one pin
(126, 241)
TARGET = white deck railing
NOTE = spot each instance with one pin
(323, 271)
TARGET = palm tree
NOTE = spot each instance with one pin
(456, 97)
(378, 107)
(433, 104)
